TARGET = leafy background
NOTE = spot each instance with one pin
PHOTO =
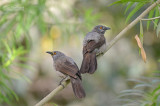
(30, 28)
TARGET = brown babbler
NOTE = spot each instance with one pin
(65, 67)
(94, 45)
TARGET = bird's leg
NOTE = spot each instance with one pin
(99, 54)
(60, 83)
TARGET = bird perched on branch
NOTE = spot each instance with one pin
(65, 67)
(94, 44)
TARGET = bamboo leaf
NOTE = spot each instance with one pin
(116, 2)
(156, 15)
(19, 30)
(143, 85)
(132, 104)
(139, 5)
(7, 47)
(128, 7)
(135, 80)
(127, 1)
(132, 91)
(125, 100)
(156, 96)
(130, 94)
(158, 29)
(10, 90)
(141, 32)
(150, 16)
(155, 90)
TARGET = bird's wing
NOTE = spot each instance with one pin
(92, 45)
(67, 67)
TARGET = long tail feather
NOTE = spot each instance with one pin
(77, 87)
(89, 63)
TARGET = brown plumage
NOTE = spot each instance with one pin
(94, 45)
(67, 67)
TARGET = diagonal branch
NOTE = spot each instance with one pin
(120, 35)
(53, 93)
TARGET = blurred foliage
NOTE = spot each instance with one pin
(135, 6)
(11, 54)
(150, 94)
(145, 92)
(17, 17)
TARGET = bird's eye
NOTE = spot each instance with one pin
(100, 27)
(54, 53)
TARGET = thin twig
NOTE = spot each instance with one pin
(53, 93)
(121, 34)
(150, 19)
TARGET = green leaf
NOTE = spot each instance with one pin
(7, 47)
(132, 91)
(130, 94)
(116, 2)
(9, 26)
(141, 32)
(145, 103)
(125, 100)
(138, 6)
(127, 1)
(132, 104)
(128, 7)
(158, 29)
(41, 24)
(150, 16)
(156, 15)
(155, 90)
(135, 80)
(10, 90)
(156, 96)
(143, 85)
(6, 99)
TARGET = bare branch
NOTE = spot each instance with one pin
(52, 94)
(150, 19)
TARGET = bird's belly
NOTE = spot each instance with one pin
(101, 50)
(60, 74)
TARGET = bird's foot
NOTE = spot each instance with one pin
(61, 84)
(100, 54)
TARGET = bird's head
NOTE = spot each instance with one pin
(100, 29)
(55, 54)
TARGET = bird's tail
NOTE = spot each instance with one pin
(89, 63)
(77, 87)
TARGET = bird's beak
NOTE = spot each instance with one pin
(51, 53)
(106, 28)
